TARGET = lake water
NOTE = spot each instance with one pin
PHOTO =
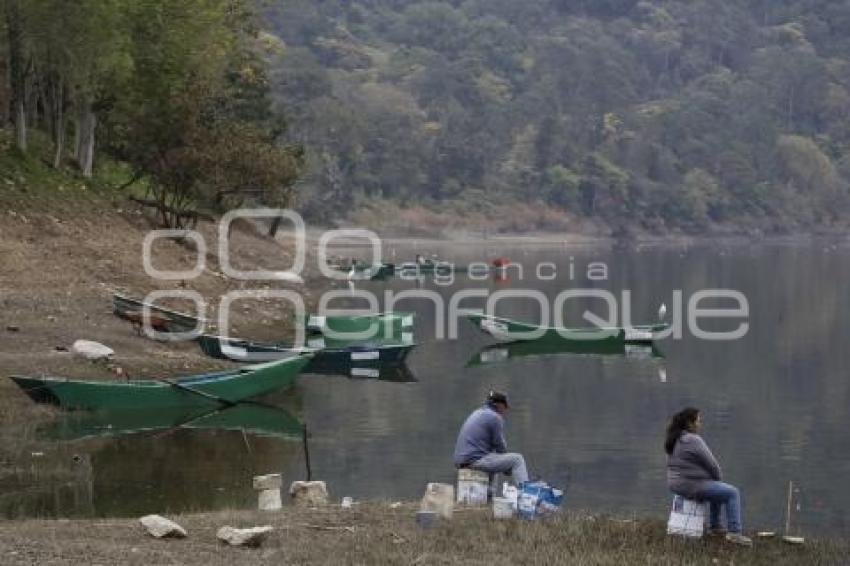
(775, 402)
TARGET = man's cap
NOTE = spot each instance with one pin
(497, 397)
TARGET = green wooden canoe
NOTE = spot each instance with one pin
(162, 319)
(252, 418)
(503, 352)
(508, 330)
(324, 360)
(365, 326)
(206, 390)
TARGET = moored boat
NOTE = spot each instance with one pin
(360, 327)
(353, 355)
(215, 389)
(509, 330)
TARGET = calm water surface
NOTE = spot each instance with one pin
(775, 402)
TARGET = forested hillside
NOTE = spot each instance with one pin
(653, 114)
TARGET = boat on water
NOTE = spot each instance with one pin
(360, 271)
(161, 319)
(215, 389)
(385, 326)
(509, 330)
(341, 358)
(252, 418)
(502, 352)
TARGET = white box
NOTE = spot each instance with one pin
(687, 517)
(472, 486)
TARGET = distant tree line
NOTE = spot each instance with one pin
(663, 114)
(176, 89)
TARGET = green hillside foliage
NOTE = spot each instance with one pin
(659, 114)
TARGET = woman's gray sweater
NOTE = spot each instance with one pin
(691, 466)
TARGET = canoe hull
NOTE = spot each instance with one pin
(231, 386)
(333, 360)
(507, 330)
(360, 328)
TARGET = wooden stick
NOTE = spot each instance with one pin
(225, 402)
(788, 509)
(306, 453)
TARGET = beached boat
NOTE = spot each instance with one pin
(508, 330)
(251, 418)
(354, 355)
(161, 319)
(206, 390)
(503, 352)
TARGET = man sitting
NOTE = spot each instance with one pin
(481, 441)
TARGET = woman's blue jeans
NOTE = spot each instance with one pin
(717, 493)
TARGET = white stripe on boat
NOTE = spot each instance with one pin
(633, 334)
(365, 372)
(374, 355)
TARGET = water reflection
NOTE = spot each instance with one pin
(249, 418)
(497, 353)
(171, 460)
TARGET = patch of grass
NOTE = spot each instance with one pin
(375, 533)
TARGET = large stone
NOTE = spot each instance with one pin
(269, 500)
(160, 527)
(309, 493)
(439, 498)
(92, 350)
(243, 537)
(270, 481)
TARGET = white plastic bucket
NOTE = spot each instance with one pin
(503, 507)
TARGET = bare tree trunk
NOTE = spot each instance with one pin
(86, 123)
(17, 73)
(58, 112)
(32, 95)
(5, 93)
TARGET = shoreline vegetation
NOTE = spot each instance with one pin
(384, 533)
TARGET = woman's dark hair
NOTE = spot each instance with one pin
(679, 423)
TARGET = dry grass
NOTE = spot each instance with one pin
(377, 534)
(456, 219)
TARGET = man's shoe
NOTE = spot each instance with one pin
(738, 538)
(717, 532)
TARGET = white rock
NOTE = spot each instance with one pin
(243, 537)
(92, 350)
(309, 493)
(439, 498)
(270, 481)
(161, 527)
(269, 500)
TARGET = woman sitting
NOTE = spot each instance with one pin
(693, 473)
